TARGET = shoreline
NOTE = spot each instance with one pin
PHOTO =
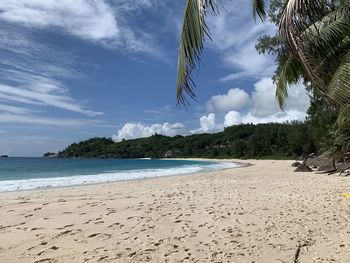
(263, 213)
(242, 165)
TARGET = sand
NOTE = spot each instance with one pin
(261, 213)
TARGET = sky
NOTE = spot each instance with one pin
(72, 70)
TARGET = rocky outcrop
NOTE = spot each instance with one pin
(325, 164)
(303, 168)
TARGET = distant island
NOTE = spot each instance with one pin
(50, 155)
(272, 140)
(4, 156)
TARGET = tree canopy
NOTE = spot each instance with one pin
(272, 140)
(312, 44)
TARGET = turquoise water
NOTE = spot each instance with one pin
(34, 173)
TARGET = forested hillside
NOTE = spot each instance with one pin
(272, 140)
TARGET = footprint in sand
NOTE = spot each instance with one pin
(62, 234)
(42, 252)
(87, 222)
(63, 227)
(110, 212)
(4, 227)
(46, 260)
(36, 228)
(101, 235)
(114, 224)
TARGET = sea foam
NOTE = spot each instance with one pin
(53, 182)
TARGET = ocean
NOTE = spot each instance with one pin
(39, 173)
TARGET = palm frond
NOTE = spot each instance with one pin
(339, 86)
(325, 45)
(259, 8)
(289, 73)
(343, 123)
(311, 34)
(193, 33)
(341, 136)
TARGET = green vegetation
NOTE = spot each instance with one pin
(311, 44)
(271, 140)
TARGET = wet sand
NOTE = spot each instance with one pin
(261, 213)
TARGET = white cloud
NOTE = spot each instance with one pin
(232, 118)
(280, 117)
(138, 130)
(235, 34)
(7, 117)
(32, 74)
(44, 94)
(264, 103)
(13, 109)
(86, 19)
(247, 63)
(97, 21)
(207, 124)
(235, 99)
(264, 107)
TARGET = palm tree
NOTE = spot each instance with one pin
(194, 31)
(314, 45)
(316, 38)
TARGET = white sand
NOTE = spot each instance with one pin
(262, 213)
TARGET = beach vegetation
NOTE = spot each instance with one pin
(311, 44)
(270, 140)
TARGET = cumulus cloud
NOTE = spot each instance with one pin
(235, 99)
(264, 103)
(138, 130)
(264, 107)
(207, 124)
(280, 117)
(232, 118)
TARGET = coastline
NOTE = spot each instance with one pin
(213, 161)
(261, 213)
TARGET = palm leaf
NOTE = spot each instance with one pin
(339, 86)
(289, 73)
(343, 118)
(302, 22)
(194, 30)
(259, 8)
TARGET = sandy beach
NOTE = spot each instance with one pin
(260, 213)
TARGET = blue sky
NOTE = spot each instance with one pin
(72, 70)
